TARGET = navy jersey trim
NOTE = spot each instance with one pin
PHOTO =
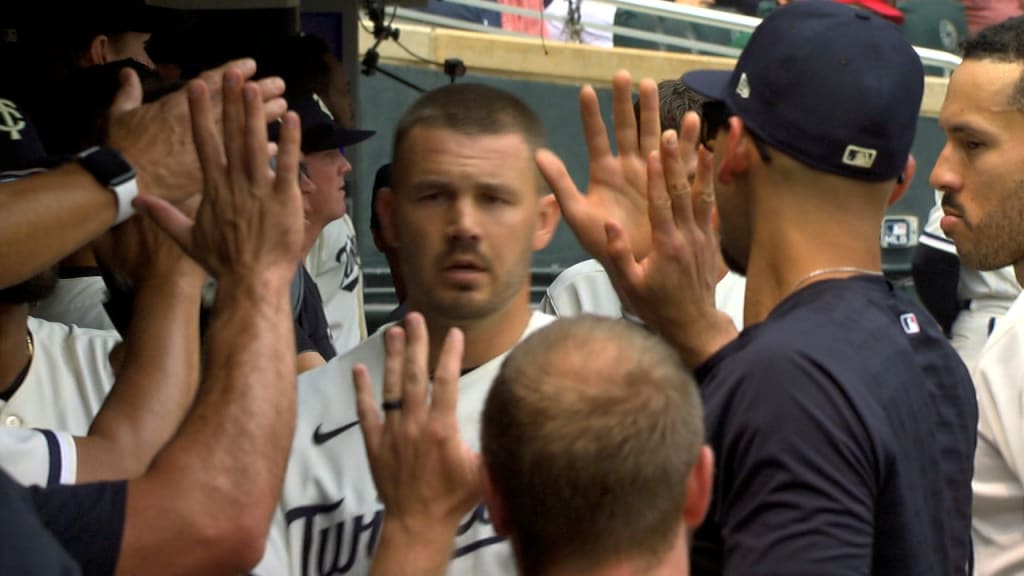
(53, 476)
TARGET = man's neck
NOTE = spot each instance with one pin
(675, 563)
(485, 338)
(796, 248)
(13, 345)
(1018, 271)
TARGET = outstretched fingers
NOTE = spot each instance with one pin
(207, 138)
(414, 373)
(255, 142)
(234, 118)
(650, 118)
(659, 199)
(675, 180)
(622, 110)
(704, 192)
(394, 360)
(594, 132)
(444, 397)
(367, 410)
(288, 154)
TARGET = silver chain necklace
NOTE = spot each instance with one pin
(834, 270)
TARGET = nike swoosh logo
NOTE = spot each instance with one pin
(324, 437)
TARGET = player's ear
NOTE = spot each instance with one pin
(97, 53)
(904, 179)
(739, 146)
(548, 215)
(698, 488)
(495, 505)
(385, 211)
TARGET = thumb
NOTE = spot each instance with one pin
(129, 96)
(168, 218)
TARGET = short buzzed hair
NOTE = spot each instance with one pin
(675, 99)
(1003, 42)
(589, 435)
(471, 109)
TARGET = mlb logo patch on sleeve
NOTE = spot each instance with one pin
(909, 322)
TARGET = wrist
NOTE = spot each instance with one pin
(696, 347)
(184, 277)
(266, 286)
(410, 546)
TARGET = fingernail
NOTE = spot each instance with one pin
(671, 139)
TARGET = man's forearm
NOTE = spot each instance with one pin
(67, 199)
(227, 462)
(155, 385)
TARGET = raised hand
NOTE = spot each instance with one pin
(156, 139)
(426, 475)
(249, 223)
(618, 184)
(672, 288)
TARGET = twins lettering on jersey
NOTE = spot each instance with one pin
(348, 257)
(335, 549)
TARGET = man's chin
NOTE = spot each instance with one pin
(32, 290)
(733, 264)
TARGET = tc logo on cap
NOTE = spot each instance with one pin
(743, 86)
(11, 120)
(861, 157)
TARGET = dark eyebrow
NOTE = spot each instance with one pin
(429, 184)
(495, 188)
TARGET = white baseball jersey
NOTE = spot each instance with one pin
(67, 381)
(329, 517)
(585, 288)
(38, 457)
(998, 514)
(76, 301)
(990, 294)
(334, 264)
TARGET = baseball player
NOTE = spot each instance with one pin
(982, 298)
(843, 427)
(979, 173)
(466, 210)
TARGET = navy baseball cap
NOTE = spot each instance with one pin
(319, 132)
(836, 88)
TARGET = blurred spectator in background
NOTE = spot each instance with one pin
(309, 68)
(580, 21)
(984, 13)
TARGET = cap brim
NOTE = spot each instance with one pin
(346, 137)
(711, 84)
(317, 141)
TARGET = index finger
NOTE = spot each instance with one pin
(594, 132)
(366, 409)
